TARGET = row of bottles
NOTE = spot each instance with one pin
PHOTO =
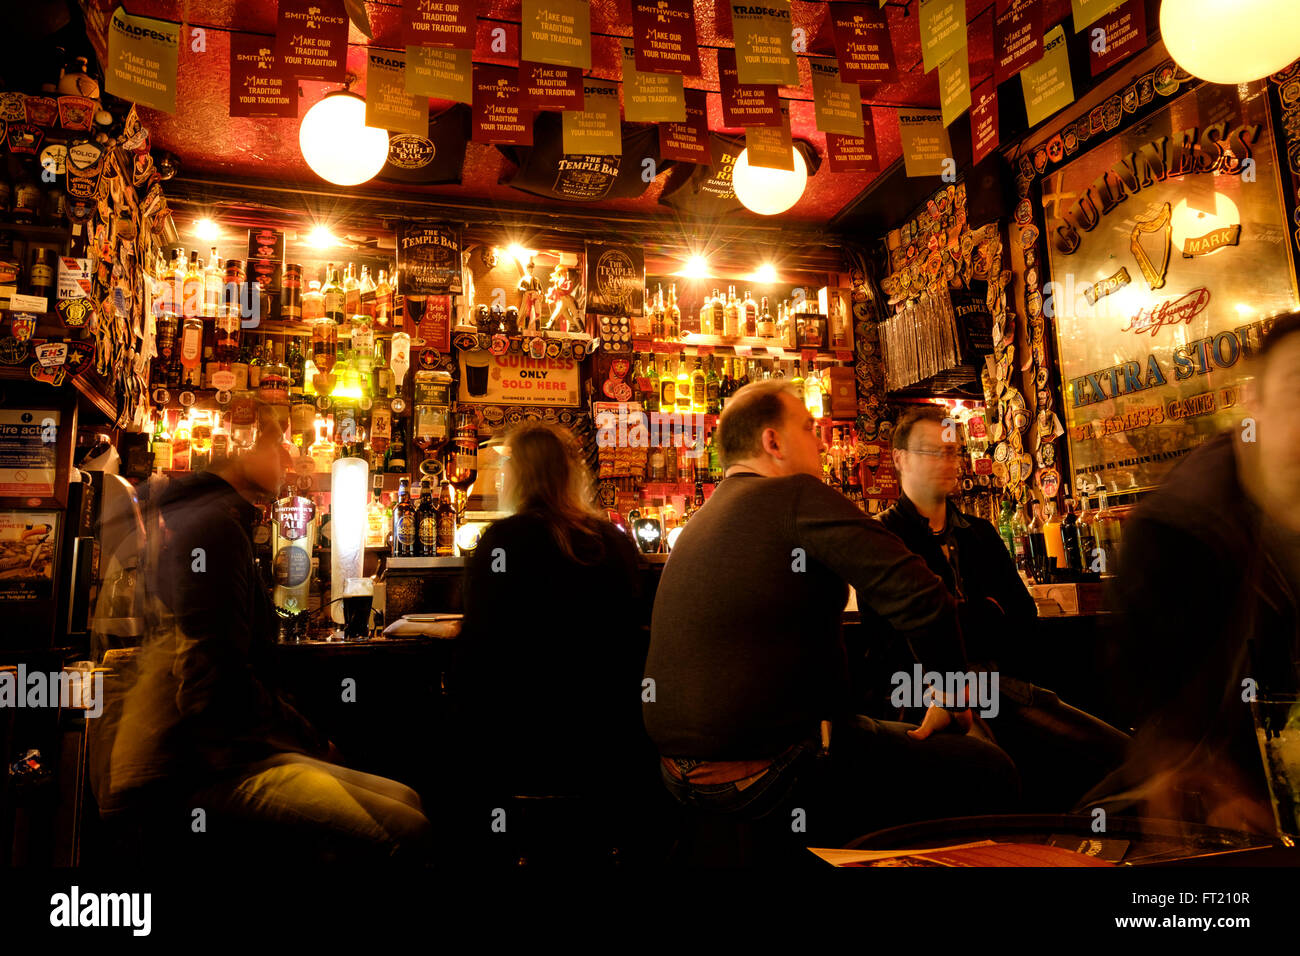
(427, 529)
(790, 324)
(193, 286)
(702, 390)
(1082, 540)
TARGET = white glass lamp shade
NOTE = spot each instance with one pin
(768, 191)
(337, 143)
(1231, 41)
(349, 485)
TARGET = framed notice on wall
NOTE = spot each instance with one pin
(518, 379)
(27, 553)
(1169, 252)
(28, 452)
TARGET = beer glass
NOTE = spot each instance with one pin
(1277, 729)
(358, 599)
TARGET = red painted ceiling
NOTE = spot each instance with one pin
(210, 142)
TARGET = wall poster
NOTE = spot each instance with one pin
(1168, 246)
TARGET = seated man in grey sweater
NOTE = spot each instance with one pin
(747, 658)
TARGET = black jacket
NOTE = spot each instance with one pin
(1204, 604)
(994, 606)
(549, 660)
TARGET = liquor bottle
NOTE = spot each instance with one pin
(731, 315)
(661, 316)
(313, 303)
(657, 464)
(181, 445)
(445, 518)
(1036, 545)
(291, 292)
(672, 473)
(294, 359)
(749, 309)
(1020, 529)
(432, 414)
(715, 459)
(351, 292)
(396, 463)
(214, 277)
(726, 386)
(226, 346)
(642, 328)
(426, 523)
(789, 328)
(811, 333)
(399, 361)
(667, 391)
(812, 392)
(719, 310)
(1070, 537)
(744, 372)
(855, 480)
(712, 390)
(1087, 539)
(706, 316)
(162, 445)
(381, 433)
(1006, 524)
(404, 533)
(382, 375)
(322, 451)
(383, 300)
(333, 295)
(797, 381)
(699, 389)
(683, 390)
(766, 324)
(191, 350)
(192, 287)
(673, 318)
(1106, 529)
(376, 523)
(650, 395)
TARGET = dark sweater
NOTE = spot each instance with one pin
(979, 569)
(550, 658)
(746, 648)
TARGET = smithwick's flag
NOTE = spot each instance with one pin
(544, 86)
(663, 32)
(498, 117)
(142, 55)
(651, 97)
(837, 105)
(257, 86)
(984, 121)
(444, 74)
(745, 105)
(596, 129)
(688, 141)
(557, 31)
(444, 23)
(311, 39)
(854, 154)
(862, 44)
(925, 142)
(388, 105)
(771, 147)
(1017, 36)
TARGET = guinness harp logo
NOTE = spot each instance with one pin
(1158, 222)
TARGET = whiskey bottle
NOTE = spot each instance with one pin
(445, 517)
(749, 311)
(333, 296)
(673, 320)
(699, 389)
(683, 388)
(731, 315)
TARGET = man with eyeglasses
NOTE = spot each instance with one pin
(1059, 750)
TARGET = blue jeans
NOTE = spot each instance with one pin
(876, 777)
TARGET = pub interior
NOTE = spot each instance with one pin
(615, 433)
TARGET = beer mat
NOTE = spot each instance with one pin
(448, 627)
(1112, 851)
(985, 853)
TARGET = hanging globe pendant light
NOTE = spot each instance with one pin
(1231, 41)
(768, 191)
(337, 143)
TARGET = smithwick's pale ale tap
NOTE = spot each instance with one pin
(293, 539)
